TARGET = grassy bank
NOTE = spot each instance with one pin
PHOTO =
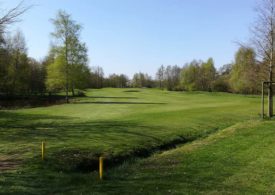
(237, 160)
(109, 122)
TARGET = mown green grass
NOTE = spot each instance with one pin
(237, 160)
(110, 122)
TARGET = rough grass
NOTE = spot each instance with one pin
(113, 123)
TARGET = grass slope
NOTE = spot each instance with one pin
(237, 160)
(111, 122)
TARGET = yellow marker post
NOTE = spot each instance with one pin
(43, 150)
(101, 167)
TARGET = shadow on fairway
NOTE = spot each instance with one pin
(73, 147)
(131, 91)
(36, 127)
(146, 103)
(106, 97)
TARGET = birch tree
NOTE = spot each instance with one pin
(71, 52)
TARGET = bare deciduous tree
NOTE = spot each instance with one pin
(12, 16)
(263, 41)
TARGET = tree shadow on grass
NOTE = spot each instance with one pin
(110, 97)
(73, 144)
(132, 91)
(18, 126)
(10, 117)
(35, 127)
(137, 103)
(77, 145)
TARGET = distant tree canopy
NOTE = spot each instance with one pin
(65, 68)
(168, 77)
(142, 80)
(117, 81)
(160, 77)
(198, 75)
(245, 71)
(190, 76)
(97, 77)
(19, 74)
(221, 83)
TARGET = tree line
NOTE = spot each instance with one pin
(66, 66)
(241, 76)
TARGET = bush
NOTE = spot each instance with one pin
(221, 85)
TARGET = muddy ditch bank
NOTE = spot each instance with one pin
(85, 161)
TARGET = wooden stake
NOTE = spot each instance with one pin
(43, 150)
(101, 168)
(263, 83)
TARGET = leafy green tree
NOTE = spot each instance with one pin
(97, 77)
(172, 77)
(56, 79)
(244, 72)
(37, 77)
(190, 75)
(221, 82)
(207, 75)
(18, 68)
(4, 66)
(116, 81)
(198, 76)
(160, 76)
(142, 80)
(79, 71)
(71, 61)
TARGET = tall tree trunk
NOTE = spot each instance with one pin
(270, 91)
(270, 101)
(73, 90)
(67, 90)
(67, 71)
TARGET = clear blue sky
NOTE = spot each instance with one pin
(127, 36)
